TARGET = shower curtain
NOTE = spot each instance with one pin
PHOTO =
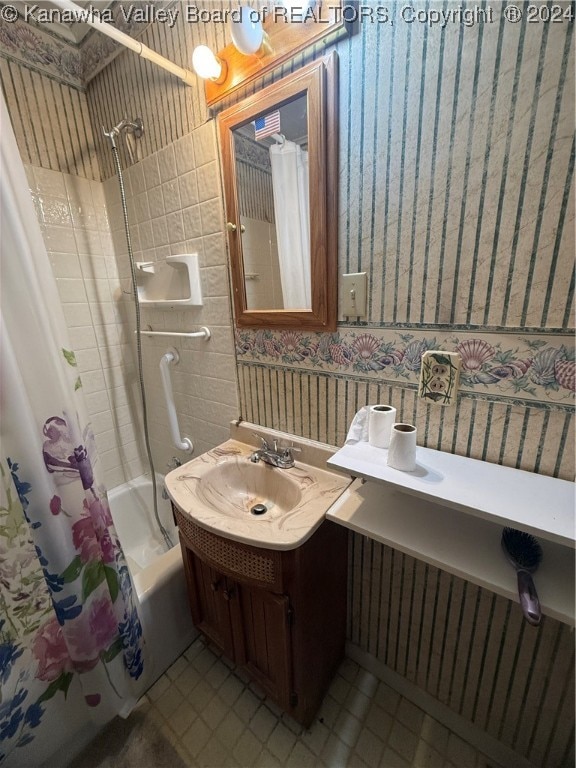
(68, 620)
(292, 214)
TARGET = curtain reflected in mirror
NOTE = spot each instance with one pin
(271, 157)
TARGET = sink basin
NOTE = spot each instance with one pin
(254, 503)
(238, 487)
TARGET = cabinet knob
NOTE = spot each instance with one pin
(228, 594)
(231, 227)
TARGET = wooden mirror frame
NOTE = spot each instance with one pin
(318, 81)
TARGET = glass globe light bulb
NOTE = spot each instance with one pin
(206, 64)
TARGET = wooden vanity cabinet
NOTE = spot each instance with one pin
(281, 616)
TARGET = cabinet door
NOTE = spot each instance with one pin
(209, 603)
(267, 641)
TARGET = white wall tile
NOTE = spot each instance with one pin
(59, 239)
(175, 226)
(97, 402)
(65, 265)
(55, 210)
(93, 267)
(87, 240)
(71, 289)
(208, 181)
(77, 313)
(192, 222)
(167, 163)
(160, 231)
(156, 202)
(214, 281)
(93, 381)
(205, 143)
(49, 182)
(151, 172)
(214, 249)
(82, 337)
(184, 154)
(212, 216)
(88, 359)
(171, 195)
(188, 185)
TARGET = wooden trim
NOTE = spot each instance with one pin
(286, 39)
(319, 81)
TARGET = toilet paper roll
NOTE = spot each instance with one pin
(380, 422)
(402, 451)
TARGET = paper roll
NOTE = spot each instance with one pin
(402, 451)
(380, 422)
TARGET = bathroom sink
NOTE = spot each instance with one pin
(226, 493)
(237, 487)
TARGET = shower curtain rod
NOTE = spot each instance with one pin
(186, 75)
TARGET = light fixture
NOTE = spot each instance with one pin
(247, 33)
(261, 39)
(207, 65)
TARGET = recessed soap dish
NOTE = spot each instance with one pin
(174, 282)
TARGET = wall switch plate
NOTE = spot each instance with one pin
(354, 294)
(439, 377)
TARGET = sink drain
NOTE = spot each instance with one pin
(258, 509)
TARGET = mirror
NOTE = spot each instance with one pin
(279, 156)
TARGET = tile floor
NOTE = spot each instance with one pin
(204, 712)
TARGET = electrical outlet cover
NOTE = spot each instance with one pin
(439, 376)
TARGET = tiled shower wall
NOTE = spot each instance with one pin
(74, 221)
(178, 209)
(175, 206)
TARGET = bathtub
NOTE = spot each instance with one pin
(157, 573)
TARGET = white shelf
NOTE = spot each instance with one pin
(173, 283)
(540, 505)
(464, 545)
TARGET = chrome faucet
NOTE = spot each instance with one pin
(274, 455)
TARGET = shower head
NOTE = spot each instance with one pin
(135, 127)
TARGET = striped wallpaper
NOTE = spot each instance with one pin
(254, 180)
(467, 647)
(258, 201)
(456, 193)
(51, 121)
(321, 407)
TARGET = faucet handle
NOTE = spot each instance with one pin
(264, 446)
(288, 450)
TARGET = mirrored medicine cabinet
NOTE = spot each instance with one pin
(279, 157)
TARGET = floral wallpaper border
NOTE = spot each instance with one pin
(30, 44)
(538, 368)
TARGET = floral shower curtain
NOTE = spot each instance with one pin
(67, 613)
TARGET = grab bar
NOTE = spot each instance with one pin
(182, 443)
(203, 333)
